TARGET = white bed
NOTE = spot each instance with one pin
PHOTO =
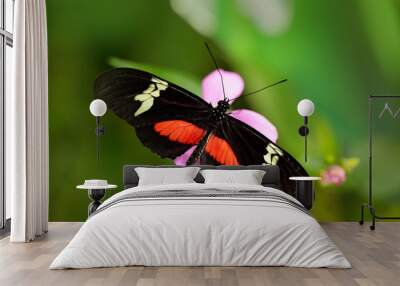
(185, 230)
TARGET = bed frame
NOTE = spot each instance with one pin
(271, 177)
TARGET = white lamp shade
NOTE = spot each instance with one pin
(98, 107)
(305, 107)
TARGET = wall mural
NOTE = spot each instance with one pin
(324, 60)
(174, 123)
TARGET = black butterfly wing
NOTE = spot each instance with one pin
(125, 90)
(250, 147)
(145, 100)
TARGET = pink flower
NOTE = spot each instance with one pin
(334, 175)
(211, 91)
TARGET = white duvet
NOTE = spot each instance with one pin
(200, 231)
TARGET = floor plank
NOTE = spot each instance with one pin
(375, 256)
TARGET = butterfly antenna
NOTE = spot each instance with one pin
(215, 63)
(265, 87)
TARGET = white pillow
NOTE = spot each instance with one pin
(164, 176)
(248, 177)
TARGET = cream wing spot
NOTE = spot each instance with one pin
(278, 151)
(150, 89)
(273, 154)
(155, 93)
(146, 105)
(148, 95)
(267, 158)
(142, 97)
(161, 85)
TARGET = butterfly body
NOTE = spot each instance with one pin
(172, 121)
(220, 111)
(198, 151)
(218, 114)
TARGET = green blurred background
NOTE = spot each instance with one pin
(335, 53)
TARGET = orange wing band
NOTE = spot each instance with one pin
(179, 131)
(221, 151)
(187, 133)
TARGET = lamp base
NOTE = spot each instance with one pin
(95, 195)
(303, 130)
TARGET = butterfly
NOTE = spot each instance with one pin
(169, 120)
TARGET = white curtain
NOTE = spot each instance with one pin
(27, 124)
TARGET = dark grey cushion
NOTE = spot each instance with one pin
(270, 179)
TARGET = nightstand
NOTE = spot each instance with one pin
(305, 192)
(96, 191)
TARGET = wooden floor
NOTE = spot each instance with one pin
(375, 257)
